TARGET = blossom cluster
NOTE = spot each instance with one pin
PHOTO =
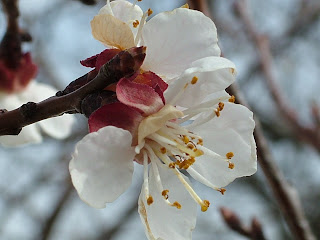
(173, 116)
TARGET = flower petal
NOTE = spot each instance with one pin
(112, 32)
(175, 39)
(102, 166)
(124, 11)
(117, 115)
(162, 221)
(100, 59)
(204, 77)
(139, 96)
(231, 132)
(58, 127)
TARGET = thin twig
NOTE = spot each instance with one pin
(123, 64)
(49, 222)
(308, 134)
(254, 232)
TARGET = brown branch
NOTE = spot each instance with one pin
(310, 135)
(10, 46)
(123, 64)
(49, 222)
(201, 5)
(254, 232)
(286, 196)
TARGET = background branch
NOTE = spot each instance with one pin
(261, 42)
(286, 196)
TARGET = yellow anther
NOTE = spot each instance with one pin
(222, 190)
(217, 112)
(232, 99)
(149, 200)
(232, 70)
(200, 141)
(165, 194)
(135, 23)
(177, 205)
(185, 139)
(220, 106)
(163, 150)
(231, 165)
(205, 205)
(194, 80)
(185, 6)
(198, 152)
(230, 155)
(190, 145)
(149, 12)
(172, 165)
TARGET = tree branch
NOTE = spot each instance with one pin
(123, 64)
(254, 232)
(261, 42)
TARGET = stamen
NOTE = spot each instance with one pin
(163, 150)
(203, 179)
(232, 99)
(154, 160)
(194, 80)
(145, 178)
(230, 155)
(177, 205)
(194, 195)
(222, 190)
(135, 23)
(149, 200)
(165, 194)
(149, 12)
(138, 148)
(159, 138)
(142, 22)
(205, 205)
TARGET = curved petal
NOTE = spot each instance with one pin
(204, 77)
(101, 167)
(162, 221)
(58, 127)
(139, 96)
(231, 132)
(117, 115)
(184, 36)
(124, 11)
(28, 135)
(112, 32)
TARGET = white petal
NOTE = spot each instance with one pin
(161, 220)
(124, 11)
(28, 135)
(213, 73)
(112, 32)
(57, 127)
(176, 39)
(231, 132)
(102, 165)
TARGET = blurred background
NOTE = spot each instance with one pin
(36, 198)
